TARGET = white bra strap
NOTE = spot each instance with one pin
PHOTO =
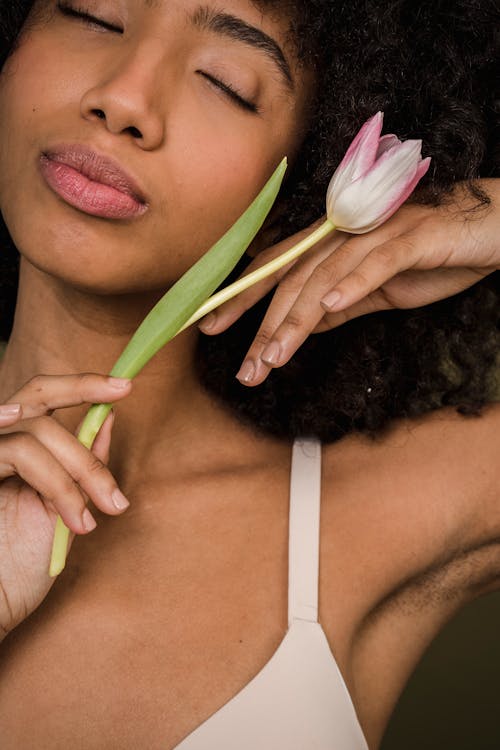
(303, 543)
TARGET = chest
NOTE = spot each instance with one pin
(151, 629)
(104, 680)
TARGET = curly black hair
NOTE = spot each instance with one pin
(430, 67)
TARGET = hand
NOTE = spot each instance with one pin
(45, 472)
(421, 255)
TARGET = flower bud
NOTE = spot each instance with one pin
(377, 174)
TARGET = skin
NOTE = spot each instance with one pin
(197, 566)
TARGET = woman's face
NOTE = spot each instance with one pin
(148, 86)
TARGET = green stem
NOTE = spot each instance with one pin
(260, 273)
(59, 547)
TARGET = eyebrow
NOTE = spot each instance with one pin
(208, 19)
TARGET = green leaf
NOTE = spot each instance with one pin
(198, 283)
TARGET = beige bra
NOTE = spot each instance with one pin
(299, 700)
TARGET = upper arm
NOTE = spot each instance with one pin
(418, 499)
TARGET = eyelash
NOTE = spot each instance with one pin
(226, 88)
(67, 10)
(231, 92)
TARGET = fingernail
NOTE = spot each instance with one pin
(208, 322)
(119, 383)
(246, 372)
(119, 500)
(271, 353)
(10, 410)
(89, 522)
(331, 300)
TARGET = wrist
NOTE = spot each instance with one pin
(483, 220)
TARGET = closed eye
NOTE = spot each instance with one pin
(231, 92)
(68, 10)
(226, 88)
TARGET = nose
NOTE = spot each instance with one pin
(127, 98)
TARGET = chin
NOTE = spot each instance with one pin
(94, 274)
(89, 277)
(95, 256)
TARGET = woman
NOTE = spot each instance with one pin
(168, 611)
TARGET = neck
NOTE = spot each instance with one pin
(59, 330)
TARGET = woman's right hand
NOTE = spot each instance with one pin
(45, 472)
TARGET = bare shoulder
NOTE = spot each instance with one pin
(447, 454)
(422, 498)
(417, 434)
(461, 455)
(448, 424)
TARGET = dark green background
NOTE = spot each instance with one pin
(452, 702)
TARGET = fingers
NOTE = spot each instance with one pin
(23, 455)
(346, 277)
(430, 246)
(225, 315)
(10, 414)
(295, 310)
(87, 469)
(62, 470)
(373, 303)
(383, 263)
(44, 393)
(102, 442)
(268, 349)
(409, 289)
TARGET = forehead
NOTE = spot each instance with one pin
(280, 13)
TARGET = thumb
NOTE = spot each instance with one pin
(102, 443)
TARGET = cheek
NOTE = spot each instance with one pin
(208, 192)
(27, 101)
(35, 101)
(25, 81)
(217, 170)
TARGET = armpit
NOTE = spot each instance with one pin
(467, 575)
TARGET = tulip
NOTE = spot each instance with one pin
(374, 178)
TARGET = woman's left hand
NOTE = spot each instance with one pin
(420, 255)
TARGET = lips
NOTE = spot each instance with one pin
(94, 184)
